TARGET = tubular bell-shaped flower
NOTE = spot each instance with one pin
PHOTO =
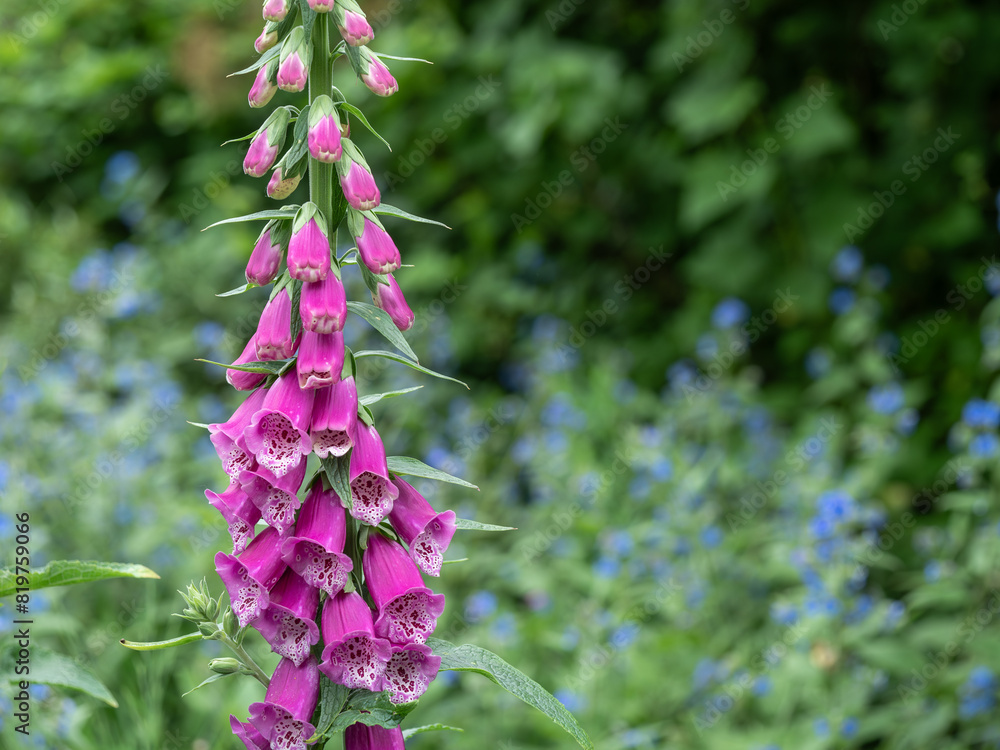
(279, 186)
(324, 131)
(410, 670)
(267, 143)
(389, 297)
(275, 10)
(265, 260)
(274, 330)
(426, 532)
(371, 491)
(277, 497)
(240, 379)
(268, 37)
(316, 548)
(228, 436)
(375, 246)
(352, 24)
(264, 85)
(239, 511)
(323, 304)
(353, 656)
(277, 433)
(362, 737)
(248, 577)
(375, 75)
(335, 418)
(309, 246)
(289, 622)
(295, 58)
(407, 610)
(356, 178)
(247, 734)
(283, 717)
(321, 6)
(320, 360)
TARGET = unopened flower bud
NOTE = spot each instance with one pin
(309, 247)
(279, 187)
(229, 624)
(296, 55)
(267, 39)
(267, 143)
(376, 248)
(265, 260)
(225, 665)
(353, 25)
(275, 10)
(321, 6)
(375, 75)
(356, 179)
(324, 131)
(390, 298)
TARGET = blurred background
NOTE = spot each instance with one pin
(721, 279)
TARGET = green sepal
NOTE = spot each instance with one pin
(338, 475)
(350, 108)
(465, 523)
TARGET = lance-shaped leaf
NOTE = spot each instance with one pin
(338, 474)
(332, 698)
(374, 398)
(50, 668)
(373, 709)
(237, 290)
(469, 658)
(386, 210)
(409, 363)
(207, 681)
(299, 144)
(69, 572)
(275, 367)
(465, 523)
(412, 467)
(407, 733)
(361, 118)
(285, 212)
(381, 322)
(260, 62)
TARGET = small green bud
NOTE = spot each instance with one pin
(226, 665)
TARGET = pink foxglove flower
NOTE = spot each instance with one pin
(264, 87)
(277, 497)
(274, 330)
(239, 511)
(275, 10)
(267, 39)
(315, 550)
(295, 57)
(352, 24)
(324, 131)
(320, 360)
(309, 246)
(389, 297)
(280, 187)
(356, 181)
(323, 305)
(426, 532)
(377, 249)
(353, 656)
(283, 717)
(410, 670)
(245, 381)
(247, 734)
(407, 610)
(375, 75)
(321, 6)
(227, 437)
(248, 577)
(265, 260)
(371, 491)
(361, 737)
(289, 622)
(277, 435)
(267, 143)
(335, 418)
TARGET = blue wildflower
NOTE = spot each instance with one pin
(606, 567)
(661, 470)
(761, 686)
(836, 505)
(706, 347)
(571, 700)
(981, 414)
(907, 421)
(984, 445)
(849, 727)
(480, 605)
(711, 536)
(821, 727)
(841, 300)
(730, 313)
(886, 399)
(847, 264)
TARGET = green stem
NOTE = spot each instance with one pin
(247, 660)
(320, 82)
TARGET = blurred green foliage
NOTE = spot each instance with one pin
(611, 173)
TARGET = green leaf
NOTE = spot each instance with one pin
(465, 523)
(469, 658)
(261, 61)
(238, 290)
(285, 212)
(409, 363)
(208, 680)
(457, 560)
(412, 467)
(373, 709)
(69, 572)
(404, 59)
(381, 322)
(332, 698)
(374, 398)
(407, 733)
(387, 210)
(50, 668)
(300, 136)
(296, 327)
(266, 368)
(338, 473)
(157, 645)
(361, 117)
